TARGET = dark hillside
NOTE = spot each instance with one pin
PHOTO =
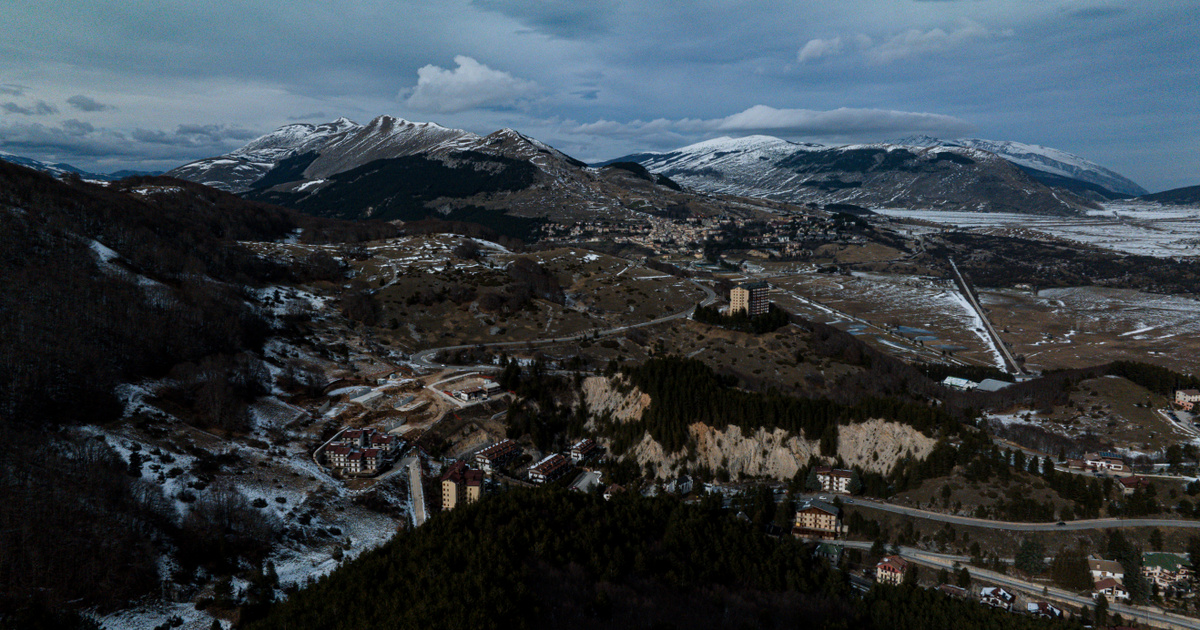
(552, 559)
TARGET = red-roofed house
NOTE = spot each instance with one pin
(891, 570)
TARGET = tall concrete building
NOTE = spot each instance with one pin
(750, 297)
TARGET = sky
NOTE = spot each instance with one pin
(145, 84)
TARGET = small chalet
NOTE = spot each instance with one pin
(1101, 569)
(1131, 483)
(891, 570)
(1043, 609)
(997, 597)
(1111, 588)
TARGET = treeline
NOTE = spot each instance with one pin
(686, 391)
(527, 559)
(1159, 380)
(774, 319)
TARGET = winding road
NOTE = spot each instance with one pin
(424, 358)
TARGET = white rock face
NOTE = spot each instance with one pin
(875, 445)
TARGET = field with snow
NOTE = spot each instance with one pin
(1128, 227)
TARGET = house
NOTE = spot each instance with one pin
(1043, 609)
(337, 456)
(1165, 569)
(679, 485)
(750, 298)
(613, 490)
(550, 468)
(1104, 461)
(954, 591)
(960, 384)
(997, 597)
(493, 457)
(471, 393)
(891, 570)
(582, 450)
(1186, 399)
(829, 552)
(372, 459)
(1110, 588)
(1102, 569)
(817, 519)
(1131, 483)
(834, 479)
(460, 485)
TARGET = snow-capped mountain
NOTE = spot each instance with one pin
(314, 153)
(886, 174)
(60, 169)
(1050, 166)
(397, 169)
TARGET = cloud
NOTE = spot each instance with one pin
(833, 126)
(564, 19)
(87, 104)
(77, 127)
(841, 122)
(817, 48)
(193, 135)
(471, 85)
(10, 89)
(915, 42)
(40, 108)
(313, 116)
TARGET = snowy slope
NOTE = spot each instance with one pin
(932, 175)
(1039, 158)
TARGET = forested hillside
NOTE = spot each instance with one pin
(538, 559)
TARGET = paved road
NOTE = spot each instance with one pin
(416, 490)
(997, 341)
(424, 358)
(1098, 523)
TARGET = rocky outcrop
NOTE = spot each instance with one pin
(602, 397)
(875, 445)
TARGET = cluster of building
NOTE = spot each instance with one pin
(1169, 571)
(891, 570)
(483, 391)
(555, 465)
(360, 451)
(1108, 579)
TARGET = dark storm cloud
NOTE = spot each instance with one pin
(39, 108)
(567, 19)
(77, 127)
(87, 104)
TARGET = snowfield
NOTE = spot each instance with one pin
(1127, 227)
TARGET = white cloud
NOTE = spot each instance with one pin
(833, 126)
(817, 48)
(914, 42)
(471, 85)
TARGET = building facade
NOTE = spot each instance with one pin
(834, 479)
(1186, 399)
(891, 570)
(750, 298)
(550, 468)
